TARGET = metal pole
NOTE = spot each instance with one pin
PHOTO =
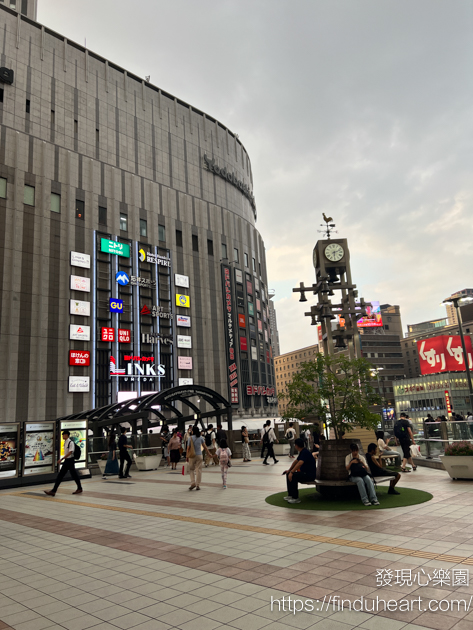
(465, 355)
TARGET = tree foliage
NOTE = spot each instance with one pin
(337, 390)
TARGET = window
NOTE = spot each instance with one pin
(97, 137)
(53, 118)
(102, 215)
(235, 254)
(144, 227)
(3, 188)
(27, 106)
(12, 4)
(162, 234)
(76, 127)
(386, 327)
(254, 264)
(80, 208)
(55, 203)
(29, 196)
(210, 247)
(123, 222)
(1, 95)
(179, 238)
(195, 243)
(224, 251)
(246, 260)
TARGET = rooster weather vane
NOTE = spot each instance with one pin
(328, 227)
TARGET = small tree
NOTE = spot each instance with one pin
(337, 390)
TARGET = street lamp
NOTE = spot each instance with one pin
(376, 370)
(456, 302)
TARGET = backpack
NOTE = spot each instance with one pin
(208, 439)
(399, 430)
(266, 436)
(290, 434)
(77, 451)
(223, 457)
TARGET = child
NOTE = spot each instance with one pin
(224, 454)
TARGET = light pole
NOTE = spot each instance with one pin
(376, 370)
(456, 303)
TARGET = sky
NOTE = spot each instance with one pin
(357, 108)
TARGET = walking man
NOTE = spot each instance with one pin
(403, 432)
(290, 437)
(268, 438)
(68, 465)
(123, 447)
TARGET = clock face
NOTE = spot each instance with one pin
(334, 252)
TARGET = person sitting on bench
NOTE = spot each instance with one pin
(377, 470)
(302, 469)
(360, 474)
(384, 448)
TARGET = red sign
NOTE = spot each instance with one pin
(79, 357)
(129, 357)
(108, 334)
(241, 321)
(443, 354)
(124, 335)
(259, 390)
(249, 287)
(145, 310)
(258, 305)
(447, 400)
(267, 356)
(243, 344)
(260, 326)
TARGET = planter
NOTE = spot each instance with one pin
(150, 462)
(458, 466)
(281, 449)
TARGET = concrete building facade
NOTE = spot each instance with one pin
(286, 365)
(103, 174)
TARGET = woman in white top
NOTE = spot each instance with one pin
(384, 448)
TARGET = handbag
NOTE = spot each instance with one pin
(247, 440)
(415, 450)
(358, 470)
(191, 450)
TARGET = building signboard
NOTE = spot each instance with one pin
(184, 341)
(79, 384)
(137, 367)
(79, 333)
(243, 344)
(79, 308)
(154, 338)
(181, 281)
(258, 305)
(259, 390)
(241, 320)
(184, 363)
(154, 259)
(260, 326)
(114, 247)
(108, 334)
(183, 321)
(79, 357)
(251, 309)
(156, 311)
(257, 284)
(186, 381)
(254, 353)
(79, 283)
(229, 317)
(124, 335)
(448, 402)
(183, 300)
(249, 287)
(80, 260)
(9, 450)
(444, 354)
(115, 305)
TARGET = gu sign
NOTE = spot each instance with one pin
(444, 354)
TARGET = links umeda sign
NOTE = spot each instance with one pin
(222, 171)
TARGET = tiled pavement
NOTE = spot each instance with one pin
(148, 554)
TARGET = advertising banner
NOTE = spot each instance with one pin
(79, 384)
(243, 344)
(241, 320)
(444, 354)
(230, 341)
(260, 326)
(39, 448)
(9, 450)
(114, 247)
(184, 363)
(258, 305)
(181, 281)
(79, 357)
(372, 319)
(78, 434)
(183, 341)
(183, 300)
(79, 333)
(79, 308)
(183, 321)
(251, 309)
(80, 260)
(79, 283)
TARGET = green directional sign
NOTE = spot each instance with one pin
(114, 247)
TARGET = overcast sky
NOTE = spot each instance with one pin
(359, 108)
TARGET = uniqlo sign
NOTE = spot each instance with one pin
(108, 334)
(444, 354)
(124, 335)
(79, 357)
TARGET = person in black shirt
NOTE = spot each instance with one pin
(377, 470)
(221, 434)
(123, 447)
(302, 469)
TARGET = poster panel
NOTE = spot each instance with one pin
(9, 450)
(78, 429)
(38, 449)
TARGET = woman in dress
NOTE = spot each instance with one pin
(111, 467)
(174, 447)
(245, 444)
(195, 446)
(165, 436)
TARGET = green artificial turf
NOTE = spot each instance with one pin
(312, 500)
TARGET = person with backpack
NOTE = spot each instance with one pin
(224, 454)
(359, 473)
(267, 439)
(403, 432)
(71, 453)
(290, 437)
(209, 436)
(123, 448)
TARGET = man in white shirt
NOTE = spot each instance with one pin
(290, 436)
(267, 439)
(68, 465)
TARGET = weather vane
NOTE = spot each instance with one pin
(328, 227)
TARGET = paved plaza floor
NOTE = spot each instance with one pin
(147, 554)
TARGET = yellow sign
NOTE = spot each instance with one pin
(183, 300)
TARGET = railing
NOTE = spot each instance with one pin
(437, 435)
(99, 446)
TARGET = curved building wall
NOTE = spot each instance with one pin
(108, 149)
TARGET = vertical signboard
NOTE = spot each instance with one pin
(230, 338)
(9, 449)
(78, 434)
(38, 451)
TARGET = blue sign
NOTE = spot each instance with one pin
(116, 306)
(122, 278)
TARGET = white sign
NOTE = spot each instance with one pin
(79, 283)
(183, 341)
(186, 381)
(80, 308)
(254, 354)
(238, 276)
(257, 284)
(183, 320)
(80, 260)
(181, 281)
(81, 333)
(41, 426)
(74, 424)
(79, 384)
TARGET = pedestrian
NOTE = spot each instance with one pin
(221, 434)
(403, 432)
(245, 443)
(359, 473)
(211, 445)
(196, 445)
(68, 466)
(290, 437)
(174, 447)
(267, 439)
(301, 471)
(165, 436)
(111, 467)
(224, 454)
(123, 448)
(376, 467)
